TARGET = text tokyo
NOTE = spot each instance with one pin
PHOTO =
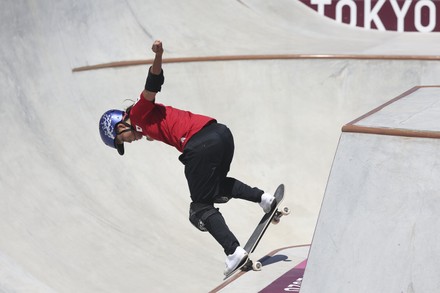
(406, 15)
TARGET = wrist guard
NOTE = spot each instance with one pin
(154, 81)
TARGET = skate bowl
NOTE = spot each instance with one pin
(77, 217)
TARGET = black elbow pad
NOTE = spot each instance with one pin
(154, 82)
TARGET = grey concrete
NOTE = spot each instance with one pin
(77, 217)
(377, 229)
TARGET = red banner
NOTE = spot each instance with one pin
(383, 15)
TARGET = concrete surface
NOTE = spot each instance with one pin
(77, 217)
(376, 231)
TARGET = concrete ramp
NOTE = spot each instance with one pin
(77, 217)
(378, 226)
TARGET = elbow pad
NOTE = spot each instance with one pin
(154, 82)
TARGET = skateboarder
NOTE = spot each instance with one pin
(207, 149)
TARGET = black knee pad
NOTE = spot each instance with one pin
(199, 213)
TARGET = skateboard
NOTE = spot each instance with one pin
(273, 217)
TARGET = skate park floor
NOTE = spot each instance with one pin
(77, 217)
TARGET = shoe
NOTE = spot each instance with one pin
(234, 260)
(266, 202)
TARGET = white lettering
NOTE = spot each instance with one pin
(371, 15)
(321, 4)
(418, 16)
(401, 13)
(353, 11)
(295, 286)
(425, 13)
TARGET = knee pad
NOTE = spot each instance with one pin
(199, 213)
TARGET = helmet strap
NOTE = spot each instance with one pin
(130, 127)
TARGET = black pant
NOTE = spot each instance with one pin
(207, 158)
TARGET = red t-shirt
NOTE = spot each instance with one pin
(167, 124)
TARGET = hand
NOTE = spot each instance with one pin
(157, 47)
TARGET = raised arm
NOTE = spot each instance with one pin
(155, 76)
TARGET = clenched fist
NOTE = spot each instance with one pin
(157, 47)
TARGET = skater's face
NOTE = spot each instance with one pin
(126, 134)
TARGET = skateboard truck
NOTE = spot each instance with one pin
(279, 213)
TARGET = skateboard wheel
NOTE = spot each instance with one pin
(256, 266)
(285, 211)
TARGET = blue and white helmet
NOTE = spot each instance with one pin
(107, 128)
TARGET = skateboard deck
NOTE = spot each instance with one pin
(272, 217)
